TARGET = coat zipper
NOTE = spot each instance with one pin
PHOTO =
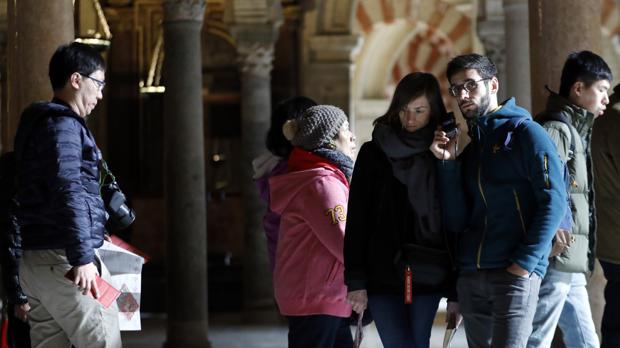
(514, 191)
(546, 164)
(484, 231)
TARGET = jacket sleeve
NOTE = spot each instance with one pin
(327, 213)
(68, 196)
(454, 207)
(454, 211)
(546, 172)
(359, 214)
(11, 253)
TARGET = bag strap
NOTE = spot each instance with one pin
(359, 332)
(559, 117)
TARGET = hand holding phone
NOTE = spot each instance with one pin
(448, 125)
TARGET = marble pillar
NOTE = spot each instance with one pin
(517, 82)
(491, 31)
(255, 46)
(330, 66)
(558, 27)
(185, 200)
(35, 29)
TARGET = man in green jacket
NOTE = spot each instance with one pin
(568, 118)
(606, 160)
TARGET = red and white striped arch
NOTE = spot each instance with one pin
(441, 31)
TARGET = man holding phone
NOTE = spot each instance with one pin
(506, 195)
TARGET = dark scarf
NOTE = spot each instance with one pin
(414, 166)
(344, 162)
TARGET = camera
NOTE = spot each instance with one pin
(448, 125)
(120, 216)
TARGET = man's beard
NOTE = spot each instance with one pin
(479, 110)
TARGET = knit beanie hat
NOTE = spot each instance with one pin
(316, 128)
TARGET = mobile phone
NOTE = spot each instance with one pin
(448, 125)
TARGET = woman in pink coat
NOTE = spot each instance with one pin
(274, 162)
(311, 200)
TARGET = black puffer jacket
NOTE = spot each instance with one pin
(60, 206)
(379, 220)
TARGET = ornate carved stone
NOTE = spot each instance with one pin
(184, 10)
(256, 58)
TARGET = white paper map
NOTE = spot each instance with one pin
(126, 272)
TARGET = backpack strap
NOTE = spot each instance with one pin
(560, 117)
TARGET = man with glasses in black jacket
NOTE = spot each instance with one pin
(61, 215)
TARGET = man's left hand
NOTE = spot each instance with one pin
(21, 311)
(517, 270)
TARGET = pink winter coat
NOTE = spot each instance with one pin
(309, 273)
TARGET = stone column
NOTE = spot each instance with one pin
(35, 29)
(329, 76)
(517, 82)
(186, 226)
(558, 27)
(492, 34)
(255, 45)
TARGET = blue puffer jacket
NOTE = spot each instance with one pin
(506, 194)
(60, 206)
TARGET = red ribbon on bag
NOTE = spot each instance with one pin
(408, 285)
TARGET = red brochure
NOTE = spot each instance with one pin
(107, 293)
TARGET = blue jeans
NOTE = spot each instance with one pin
(497, 307)
(610, 327)
(563, 301)
(401, 325)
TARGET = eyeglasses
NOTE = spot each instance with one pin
(469, 86)
(100, 84)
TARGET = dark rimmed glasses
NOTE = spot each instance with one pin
(469, 86)
(100, 84)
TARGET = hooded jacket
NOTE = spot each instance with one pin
(266, 166)
(606, 160)
(506, 193)
(60, 206)
(309, 271)
(569, 124)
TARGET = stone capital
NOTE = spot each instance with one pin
(255, 58)
(184, 10)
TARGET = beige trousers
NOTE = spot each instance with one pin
(60, 315)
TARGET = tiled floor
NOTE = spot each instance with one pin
(227, 331)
